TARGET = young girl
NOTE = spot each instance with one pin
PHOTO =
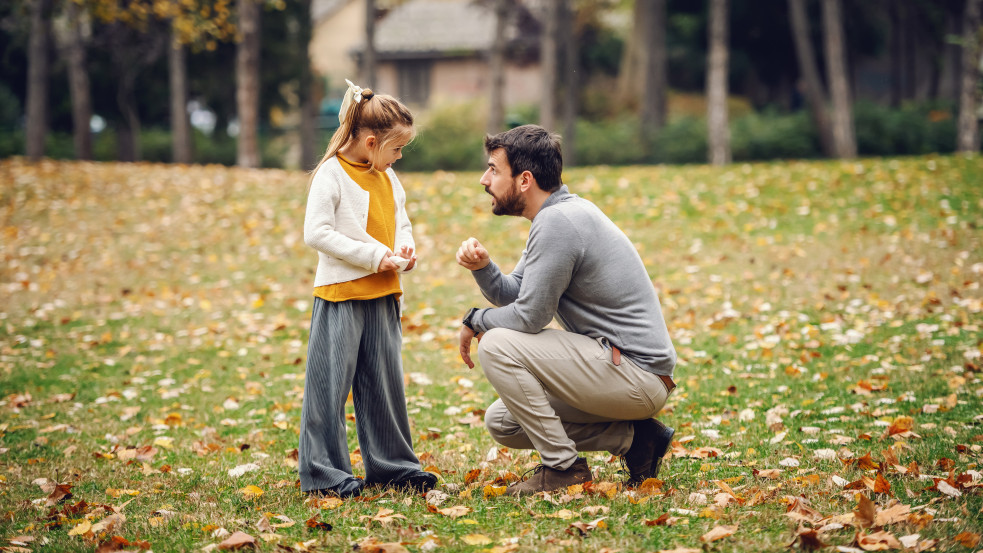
(356, 220)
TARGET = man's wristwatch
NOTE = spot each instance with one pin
(467, 319)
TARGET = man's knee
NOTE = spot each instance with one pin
(502, 427)
(495, 344)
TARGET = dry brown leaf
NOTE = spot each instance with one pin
(865, 512)
(718, 533)
(373, 545)
(238, 540)
(800, 510)
(893, 513)
(808, 539)
(454, 512)
(878, 541)
(583, 528)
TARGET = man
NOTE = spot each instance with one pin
(596, 385)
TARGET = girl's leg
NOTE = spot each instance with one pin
(332, 354)
(380, 403)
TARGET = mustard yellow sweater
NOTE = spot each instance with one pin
(381, 225)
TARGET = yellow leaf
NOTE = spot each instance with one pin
(493, 491)
(82, 529)
(251, 492)
(476, 539)
(164, 442)
(156, 522)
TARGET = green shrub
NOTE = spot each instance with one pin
(451, 138)
(10, 108)
(770, 135)
(682, 140)
(916, 128)
(609, 143)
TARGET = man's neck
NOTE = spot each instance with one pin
(534, 202)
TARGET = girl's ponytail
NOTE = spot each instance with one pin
(361, 108)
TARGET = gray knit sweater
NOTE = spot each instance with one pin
(579, 267)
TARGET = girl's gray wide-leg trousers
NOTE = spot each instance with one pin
(355, 345)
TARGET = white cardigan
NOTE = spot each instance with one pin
(337, 214)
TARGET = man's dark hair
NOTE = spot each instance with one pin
(531, 148)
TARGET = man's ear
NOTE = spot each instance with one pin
(526, 181)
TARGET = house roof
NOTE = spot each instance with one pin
(436, 26)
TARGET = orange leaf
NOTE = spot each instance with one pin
(968, 539)
(471, 476)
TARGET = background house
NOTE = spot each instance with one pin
(429, 52)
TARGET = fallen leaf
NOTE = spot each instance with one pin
(878, 541)
(251, 492)
(583, 528)
(455, 512)
(967, 539)
(718, 533)
(865, 512)
(476, 539)
(238, 540)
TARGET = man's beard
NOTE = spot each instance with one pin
(512, 203)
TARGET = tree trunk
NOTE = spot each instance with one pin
(247, 84)
(896, 53)
(813, 90)
(571, 86)
(369, 56)
(548, 66)
(630, 88)
(844, 140)
(308, 108)
(656, 78)
(717, 126)
(128, 147)
(180, 124)
(496, 70)
(37, 79)
(78, 82)
(968, 138)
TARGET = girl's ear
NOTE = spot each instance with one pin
(370, 142)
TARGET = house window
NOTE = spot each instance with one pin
(414, 81)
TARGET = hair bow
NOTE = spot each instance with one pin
(355, 90)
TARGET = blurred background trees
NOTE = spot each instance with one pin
(257, 82)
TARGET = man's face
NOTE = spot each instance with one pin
(504, 190)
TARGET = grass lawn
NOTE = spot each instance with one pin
(153, 333)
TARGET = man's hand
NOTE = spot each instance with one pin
(466, 336)
(472, 255)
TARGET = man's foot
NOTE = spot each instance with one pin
(351, 487)
(420, 481)
(547, 479)
(650, 444)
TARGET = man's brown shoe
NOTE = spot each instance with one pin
(648, 447)
(547, 479)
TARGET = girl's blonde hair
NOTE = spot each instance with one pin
(363, 109)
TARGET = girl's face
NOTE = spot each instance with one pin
(386, 152)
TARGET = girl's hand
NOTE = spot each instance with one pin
(407, 253)
(386, 264)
